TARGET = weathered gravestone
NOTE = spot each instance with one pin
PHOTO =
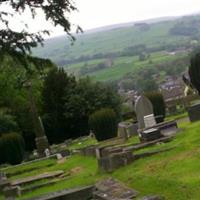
(143, 108)
(127, 129)
(122, 131)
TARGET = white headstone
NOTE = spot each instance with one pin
(47, 152)
(59, 156)
(149, 120)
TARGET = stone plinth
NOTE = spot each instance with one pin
(41, 144)
(115, 161)
(83, 193)
(194, 113)
(89, 151)
(150, 135)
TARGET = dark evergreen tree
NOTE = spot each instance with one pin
(158, 102)
(104, 124)
(56, 85)
(194, 71)
(67, 104)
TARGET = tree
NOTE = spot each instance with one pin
(53, 10)
(103, 123)
(87, 98)
(56, 85)
(67, 104)
(194, 71)
(158, 103)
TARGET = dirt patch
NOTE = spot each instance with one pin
(76, 170)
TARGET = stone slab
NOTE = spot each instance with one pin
(83, 193)
(37, 178)
(112, 189)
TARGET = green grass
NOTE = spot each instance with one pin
(123, 66)
(27, 170)
(174, 174)
(85, 173)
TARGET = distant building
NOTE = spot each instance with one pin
(172, 88)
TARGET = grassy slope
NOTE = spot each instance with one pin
(174, 174)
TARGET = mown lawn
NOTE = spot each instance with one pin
(174, 174)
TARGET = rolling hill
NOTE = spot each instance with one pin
(112, 52)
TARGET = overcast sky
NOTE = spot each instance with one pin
(97, 13)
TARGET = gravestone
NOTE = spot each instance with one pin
(149, 120)
(122, 132)
(194, 112)
(47, 152)
(143, 107)
(127, 129)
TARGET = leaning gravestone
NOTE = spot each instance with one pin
(144, 107)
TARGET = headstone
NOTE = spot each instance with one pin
(149, 120)
(143, 107)
(122, 132)
(127, 129)
(98, 154)
(92, 135)
(59, 156)
(47, 152)
(35, 154)
(132, 129)
(194, 113)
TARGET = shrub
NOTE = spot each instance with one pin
(11, 148)
(104, 124)
(158, 102)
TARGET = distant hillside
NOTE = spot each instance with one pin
(114, 39)
(115, 52)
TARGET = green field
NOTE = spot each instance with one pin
(118, 43)
(173, 174)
